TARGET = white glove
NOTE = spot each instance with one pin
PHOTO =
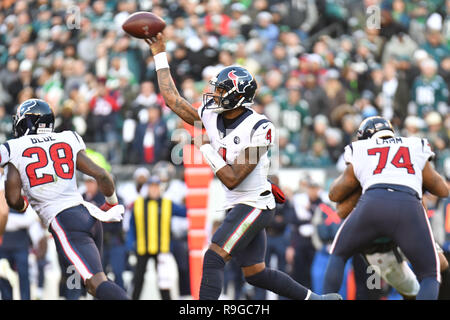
(115, 214)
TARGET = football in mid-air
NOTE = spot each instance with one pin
(143, 25)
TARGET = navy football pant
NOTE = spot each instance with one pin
(397, 215)
(78, 238)
(242, 234)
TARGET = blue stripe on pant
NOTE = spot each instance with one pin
(78, 238)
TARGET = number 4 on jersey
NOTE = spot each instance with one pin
(402, 159)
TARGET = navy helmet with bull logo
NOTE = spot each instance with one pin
(238, 89)
(34, 116)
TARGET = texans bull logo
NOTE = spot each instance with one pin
(238, 80)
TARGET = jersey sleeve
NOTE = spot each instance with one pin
(78, 143)
(426, 150)
(263, 134)
(348, 154)
(4, 154)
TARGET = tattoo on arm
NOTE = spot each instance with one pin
(178, 104)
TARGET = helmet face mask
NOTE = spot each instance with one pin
(233, 87)
(34, 116)
(375, 127)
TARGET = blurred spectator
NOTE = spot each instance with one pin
(15, 247)
(151, 139)
(413, 126)
(215, 19)
(438, 137)
(300, 253)
(11, 84)
(434, 44)
(300, 16)
(334, 89)
(68, 120)
(429, 91)
(266, 30)
(295, 117)
(145, 244)
(6, 125)
(326, 223)
(175, 190)
(103, 107)
(399, 47)
(315, 96)
(114, 251)
(399, 13)
(147, 96)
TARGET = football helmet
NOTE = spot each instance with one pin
(238, 86)
(33, 116)
(375, 127)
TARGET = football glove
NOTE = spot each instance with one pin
(106, 206)
(278, 194)
(114, 214)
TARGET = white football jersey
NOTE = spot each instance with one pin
(396, 160)
(47, 165)
(250, 130)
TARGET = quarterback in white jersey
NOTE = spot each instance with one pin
(249, 130)
(42, 163)
(236, 147)
(391, 172)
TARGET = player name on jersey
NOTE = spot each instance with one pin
(390, 140)
(43, 139)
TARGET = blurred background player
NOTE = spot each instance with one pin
(149, 237)
(15, 248)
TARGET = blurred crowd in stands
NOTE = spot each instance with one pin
(322, 66)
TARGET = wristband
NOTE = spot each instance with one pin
(161, 61)
(112, 199)
(214, 160)
(25, 205)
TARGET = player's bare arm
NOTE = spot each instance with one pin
(4, 210)
(344, 185)
(89, 167)
(171, 96)
(434, 182)
(346, 206)
(13, 189)
(232, 175)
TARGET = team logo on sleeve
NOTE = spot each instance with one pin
(240, 81)
(237, 140)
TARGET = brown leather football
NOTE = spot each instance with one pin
(143, 25)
